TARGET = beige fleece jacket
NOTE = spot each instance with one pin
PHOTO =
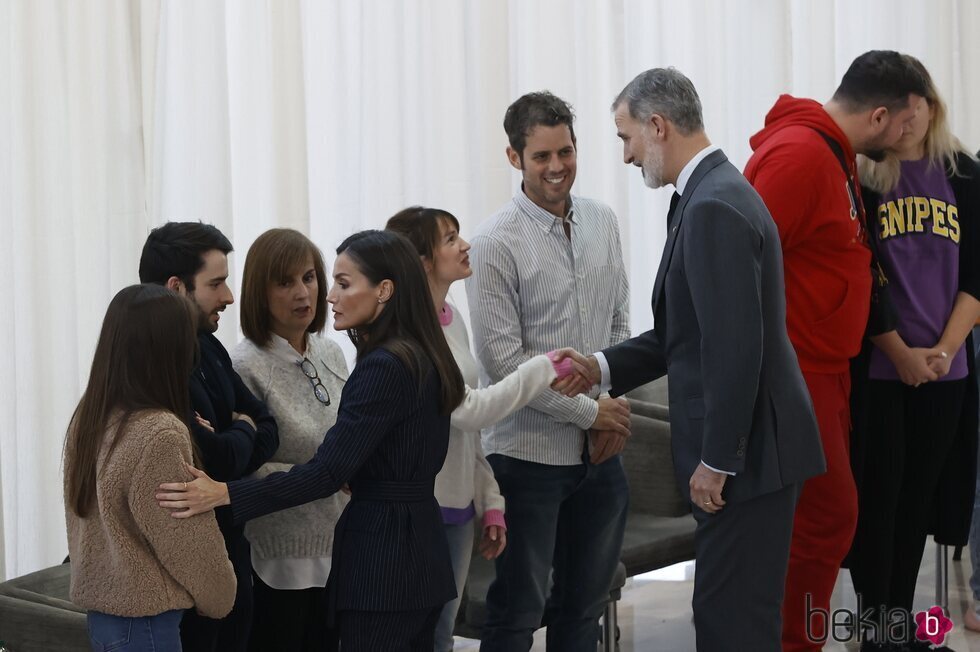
(130, 557)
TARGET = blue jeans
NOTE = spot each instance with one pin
(566, 518)
(460, 539)
(160, 633)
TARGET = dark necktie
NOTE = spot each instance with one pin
(670, 211)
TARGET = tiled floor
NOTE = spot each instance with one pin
(655, 614)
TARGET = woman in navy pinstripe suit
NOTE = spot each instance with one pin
(391, 573)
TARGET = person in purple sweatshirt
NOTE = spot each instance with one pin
(923, 208)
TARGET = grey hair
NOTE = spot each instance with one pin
(666, 92)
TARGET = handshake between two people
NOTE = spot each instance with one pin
(611, 428)
(706, 484)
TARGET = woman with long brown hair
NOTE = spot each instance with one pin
(915, 386)
(130, 563)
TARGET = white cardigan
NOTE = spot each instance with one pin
(466, 476)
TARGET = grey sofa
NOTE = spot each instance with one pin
(36, 615)
(660, 527)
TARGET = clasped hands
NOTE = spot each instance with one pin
(611, 428)
(917, 365)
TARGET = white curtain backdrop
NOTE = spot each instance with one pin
(328, 116)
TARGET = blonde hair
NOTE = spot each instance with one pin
(940, 145)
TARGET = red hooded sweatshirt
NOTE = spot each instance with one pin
(826, 262)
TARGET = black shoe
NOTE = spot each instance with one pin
(871, 646)
(924, 646)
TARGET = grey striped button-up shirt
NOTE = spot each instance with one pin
(533, 290)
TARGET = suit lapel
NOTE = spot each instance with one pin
(710, 162)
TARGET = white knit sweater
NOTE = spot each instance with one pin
(274, 375)
(466, 476)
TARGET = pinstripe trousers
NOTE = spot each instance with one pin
(391, 631)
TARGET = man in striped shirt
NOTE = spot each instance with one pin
(548, 272)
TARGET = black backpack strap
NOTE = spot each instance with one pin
(882, 318)
(857, 207)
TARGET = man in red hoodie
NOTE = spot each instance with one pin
(803, 166)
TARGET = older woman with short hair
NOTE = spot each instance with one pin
(299, 374)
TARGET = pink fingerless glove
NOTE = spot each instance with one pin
(563, 367)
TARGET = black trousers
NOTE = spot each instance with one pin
(229, 634)
(391, 631)
(290, 620)
(742, 554)
(906, 440)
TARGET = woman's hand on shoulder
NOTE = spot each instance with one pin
(186, 499)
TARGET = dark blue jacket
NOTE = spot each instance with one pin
(235, 449)
(389, 442)
(738, 401)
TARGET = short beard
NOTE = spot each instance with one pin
(653, 167)
(204, 324)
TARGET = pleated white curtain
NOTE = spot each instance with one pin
(328, 116)
(71, 209)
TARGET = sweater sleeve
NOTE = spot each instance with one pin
(967, 190)
(235, 448)
(486, 491)
(253, 368)
(483, 407)
(191, 550)
(248, 364)
(266, 428)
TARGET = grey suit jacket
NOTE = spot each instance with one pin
(737, 398)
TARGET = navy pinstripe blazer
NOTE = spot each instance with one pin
(389, 442)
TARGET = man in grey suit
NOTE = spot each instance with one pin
(743, 430)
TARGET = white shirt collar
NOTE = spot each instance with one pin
(688, 170)
(281, 348)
